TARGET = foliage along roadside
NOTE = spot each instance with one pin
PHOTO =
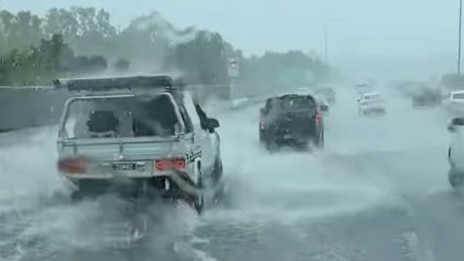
(80, 40)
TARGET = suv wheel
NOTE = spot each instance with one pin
(319, 140)
(455, 178)
(76, 196)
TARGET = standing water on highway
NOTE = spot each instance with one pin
(231, 131)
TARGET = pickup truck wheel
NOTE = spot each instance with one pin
(217, 172)
(199, 204)
(455, 178)
(199, 201)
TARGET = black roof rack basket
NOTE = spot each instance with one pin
(119, 83)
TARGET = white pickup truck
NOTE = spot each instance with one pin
(138, 136)
(454, 103)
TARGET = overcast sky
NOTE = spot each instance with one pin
(394, 35)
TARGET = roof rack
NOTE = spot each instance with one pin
(119, 83)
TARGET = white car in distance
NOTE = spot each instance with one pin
(454, 103)
(371, 103)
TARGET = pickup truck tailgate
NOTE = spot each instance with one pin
(133, 158)
(122, 149)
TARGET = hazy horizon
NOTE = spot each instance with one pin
(368, 38)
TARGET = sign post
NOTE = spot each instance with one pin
(234, 72)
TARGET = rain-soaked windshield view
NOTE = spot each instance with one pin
(206, 130)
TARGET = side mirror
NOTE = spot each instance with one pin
(451, 128)
(212, 124)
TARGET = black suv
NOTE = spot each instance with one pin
(291, 120)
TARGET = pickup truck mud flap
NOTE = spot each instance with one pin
(181, 178)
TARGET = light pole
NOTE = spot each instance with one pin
(326, 37)
(459, 40)
(326, 40)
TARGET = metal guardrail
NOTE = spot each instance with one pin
(27, 87)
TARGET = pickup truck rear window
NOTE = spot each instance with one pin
(102, 117)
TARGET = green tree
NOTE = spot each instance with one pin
(87, 30)
(280, 71)
(19, 31)
(55, 55)
(61, 21)
(202, 60)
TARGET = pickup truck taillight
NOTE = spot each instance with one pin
(74, 165)
(165, 164)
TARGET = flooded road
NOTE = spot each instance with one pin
(377, 192)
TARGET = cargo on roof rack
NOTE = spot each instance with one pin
(118, 83)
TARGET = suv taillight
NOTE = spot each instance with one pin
(318, 116)
(261, 122)
(75, 165)
(165, 164)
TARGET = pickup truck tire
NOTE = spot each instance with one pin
(218, 180)
(217, 171)
(199, 204)
(456, 178)
(199, 201)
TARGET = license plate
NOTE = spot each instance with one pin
(124, 166)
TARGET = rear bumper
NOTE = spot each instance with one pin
(285, 137)
(175, 184)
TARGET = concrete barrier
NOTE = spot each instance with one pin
(30, 107)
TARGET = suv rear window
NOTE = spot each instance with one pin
(291, 102)
(297, 102)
